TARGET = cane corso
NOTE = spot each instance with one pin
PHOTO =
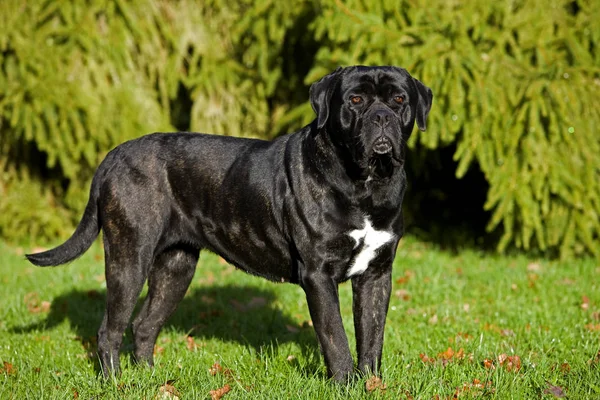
(316, 207)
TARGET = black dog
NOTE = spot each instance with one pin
(316, 207)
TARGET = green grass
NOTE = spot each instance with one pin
(542, 314)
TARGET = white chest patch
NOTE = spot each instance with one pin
(372, 240)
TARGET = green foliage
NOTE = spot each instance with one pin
(514, 92)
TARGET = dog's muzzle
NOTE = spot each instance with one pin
(382, 145)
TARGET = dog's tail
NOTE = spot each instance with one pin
(78, 243)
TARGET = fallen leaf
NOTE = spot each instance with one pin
(375, 383)
(555, 391)
(218, 393)
(534, 267)
(464, 336)
(292, 329)
(585, 303)
(191, 343)
(158, 349)
(402, 294)
(206, 299)
(489, 364)
(565, 368)
(291, 357)
(596, 359)
(592, 327)
(215, 369)
(75, 393)
(472, 389)
(408, 274)
(426, 359)
(446, 355)
(34, 305)
(434, 319)
(531, 279)
(511, 363)
(168, 391)
(8, 369)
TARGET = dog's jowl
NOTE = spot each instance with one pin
(315, 207)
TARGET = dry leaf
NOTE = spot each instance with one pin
(426, 359)
(191, 343)
(218, 393)
(472, 389)
(592, 327)
(168, 391)
(407, 277)
(565, 368)
(8, 369)
(375, 383)
(489, 364)
(215, 369)
(34, 305)
(446, 355)
(402, 294)
(534, 267)
(555, 391)
(585, 303)
(511, 363)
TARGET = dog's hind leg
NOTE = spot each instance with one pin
(125, 277)
(168, 281)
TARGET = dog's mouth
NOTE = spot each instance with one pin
(383, 159)
(382, 146)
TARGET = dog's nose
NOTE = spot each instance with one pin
(382, 145)
(381, 117)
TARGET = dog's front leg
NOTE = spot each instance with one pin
(371, 297)
(324, 306)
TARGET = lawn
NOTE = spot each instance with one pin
(466, 325)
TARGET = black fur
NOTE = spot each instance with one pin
(282, 209)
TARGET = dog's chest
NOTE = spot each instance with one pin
(369, 241)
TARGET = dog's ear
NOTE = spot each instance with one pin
(423, 105)
(320, 96)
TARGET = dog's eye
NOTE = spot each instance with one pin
(356, 99)
(399, 99)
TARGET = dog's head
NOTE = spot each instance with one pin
(369, 112)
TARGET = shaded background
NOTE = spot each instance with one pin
(511, 157)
